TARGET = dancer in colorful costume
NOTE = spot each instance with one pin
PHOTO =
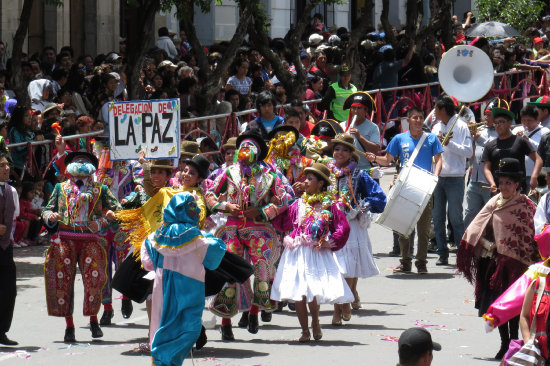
(285, 155)
(308, 271)
(178, 252)
(123, 178)
(252, 194)
(361, 194)
(498, 246)
(81, 208)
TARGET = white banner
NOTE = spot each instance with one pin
(150, 125)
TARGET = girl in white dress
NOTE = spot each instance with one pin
(361, 194)
(308, 271)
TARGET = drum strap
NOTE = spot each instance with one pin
(410, 162)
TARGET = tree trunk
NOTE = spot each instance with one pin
(446, 23)
(17, 82)
(386, 23)
(140, 37)
(294, 84)
(210, 79)
(358, 75)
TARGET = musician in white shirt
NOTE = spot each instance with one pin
(532, 130)
(449, 190)
(477, 194)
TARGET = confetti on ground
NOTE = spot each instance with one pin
(467, 301)
(22, 354)
(74, 353)
(76, 345)
(445, 313)
(388, 338)
(422, 324)
(419, 323)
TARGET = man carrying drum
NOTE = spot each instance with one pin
(403, 145)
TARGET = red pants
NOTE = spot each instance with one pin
(60, 270)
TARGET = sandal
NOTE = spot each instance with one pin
(306, 337)
(356, 305)
(346, 315)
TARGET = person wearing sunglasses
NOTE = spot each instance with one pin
(508, 145)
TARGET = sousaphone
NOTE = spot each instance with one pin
(466, 73)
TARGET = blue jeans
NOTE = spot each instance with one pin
(476, 198)
(448, 191)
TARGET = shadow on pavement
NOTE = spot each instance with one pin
(352, 325)
(228, 352)
(101, 342)
(16, 348)
(416, 276)
(359, 313)
(488, 359)
(126, 325)
(26, 270)
(338, 343)
(269, 326)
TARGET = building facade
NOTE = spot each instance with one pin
(96, 26)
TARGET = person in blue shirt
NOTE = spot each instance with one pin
(403, 145)
(268, 119)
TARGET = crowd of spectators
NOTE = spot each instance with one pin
(69, 93)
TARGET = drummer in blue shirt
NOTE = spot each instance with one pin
(403, 145)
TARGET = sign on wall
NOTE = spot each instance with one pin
(150, 125)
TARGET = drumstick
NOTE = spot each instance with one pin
(489, 187)
(352, 122)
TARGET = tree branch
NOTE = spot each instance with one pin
(386, 23)
(17, 82)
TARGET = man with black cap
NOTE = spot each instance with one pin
(78, 208)
(365, 133)
(415, 347)
(508, 145)
(251, 194)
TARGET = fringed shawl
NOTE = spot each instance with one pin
(513, 228)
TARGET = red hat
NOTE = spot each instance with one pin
(537, 40)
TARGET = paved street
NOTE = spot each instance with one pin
(440, 301)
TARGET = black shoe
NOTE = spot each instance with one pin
(280, 306)
(69, 336)
(227, 333)
(432, 247)
(126, 308)
(394, 254)
(501, 352)
(106, 317)
(96, 330)
(8, 342)
(266, 317)
(292, 306)
(201, 341)
(243, 323)
(442, 262)
(253, 325)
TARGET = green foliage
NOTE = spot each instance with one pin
(518, 13)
